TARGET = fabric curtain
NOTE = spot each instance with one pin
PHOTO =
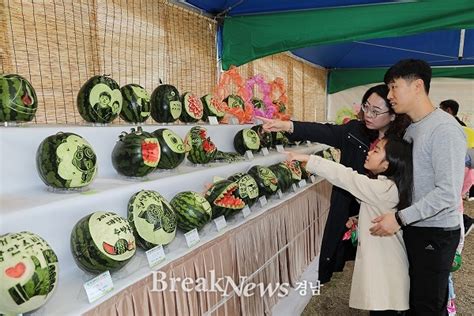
(272, 248)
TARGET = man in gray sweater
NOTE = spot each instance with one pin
(431, 227)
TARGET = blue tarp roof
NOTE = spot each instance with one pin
(439, 48)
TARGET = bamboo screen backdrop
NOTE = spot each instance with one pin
(58, 45)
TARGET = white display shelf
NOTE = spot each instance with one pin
(26, 204)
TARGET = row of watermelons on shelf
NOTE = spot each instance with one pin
(101, 100)
(67, 161)
(106, 241)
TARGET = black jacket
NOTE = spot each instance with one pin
(353, 139)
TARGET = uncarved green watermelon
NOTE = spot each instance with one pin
(192, 210)
(18, 101)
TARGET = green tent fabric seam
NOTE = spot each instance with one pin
(342, 79)
(246, 38)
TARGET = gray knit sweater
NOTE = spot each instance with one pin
(439, 149)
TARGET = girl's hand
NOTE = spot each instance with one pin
(351, 221)
(271, 125)
(296, 156)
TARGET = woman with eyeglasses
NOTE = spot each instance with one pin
(354, 139)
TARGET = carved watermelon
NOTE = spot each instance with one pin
(266, 180)
(18, 101)
(152, 219)
(66, 161)
(102, 241)
(247, 187)
(212, 108)
(28, 272)
(166, 105)
(200, 148)
(223, 198)
(295, 169)
(136, 154)
(172, 148)
(278, 138)
(192, 108)
(246, 139)
(265, 137)
(99, 100)
(284, 176)
(136, 104)
(235, 101)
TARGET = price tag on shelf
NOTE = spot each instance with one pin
(155, 255)
(213, 120)
(308, 143)
(89, 192)
(280, 194)
(265, 151)
(249, 155)
(246, 211)
(233, 121)
(293, 186)
(302, 183)
(192, 237)
(217, 179)
(220, 223)
(280, 148)
(263, 201)
(98, 286)
(313, 179)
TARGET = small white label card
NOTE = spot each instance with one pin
(220, 223)
(246, 211)
(280, 148)
(99, 286)
(155, 255)
(313, 179)
(280, 194)
(263, 201)
(213, 120)
(192, 237)
(308, 143)
(293, 186)
(302, 183)
(233, 121)
(265, 151)
(249, 155)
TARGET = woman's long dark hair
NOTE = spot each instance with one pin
(398, 153)
(398, 126)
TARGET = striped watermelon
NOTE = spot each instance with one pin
(258, 103)
(295, 169)
(29, 272)
(223, 198)
(235, 101)
(136, 104)
(283, 175)
(166, 105)
(172, 148)
(247, 187)
(246, 139)
(200, 148)
(266, 180)
(265, 137)
(66, 161)
(278, 138)
(192, 108)
(136, 154)
(192, 210)
(212, 108)
(18, 101)
(99, 100)
(102, 241)
(152, 219)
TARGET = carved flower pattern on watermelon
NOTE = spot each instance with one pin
(28, 272)
(151, 152)
(295, 169)
(195, 106)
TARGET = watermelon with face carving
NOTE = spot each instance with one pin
(28, 272)
(172, 148)
(223, 198)
(66, 161)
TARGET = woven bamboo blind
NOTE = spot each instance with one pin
(306, 84)
(58, 45)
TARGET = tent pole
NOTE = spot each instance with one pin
(461, 44)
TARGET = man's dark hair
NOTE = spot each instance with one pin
(410, 69)
(450, 104)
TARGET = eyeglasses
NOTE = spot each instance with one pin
(370, 112)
